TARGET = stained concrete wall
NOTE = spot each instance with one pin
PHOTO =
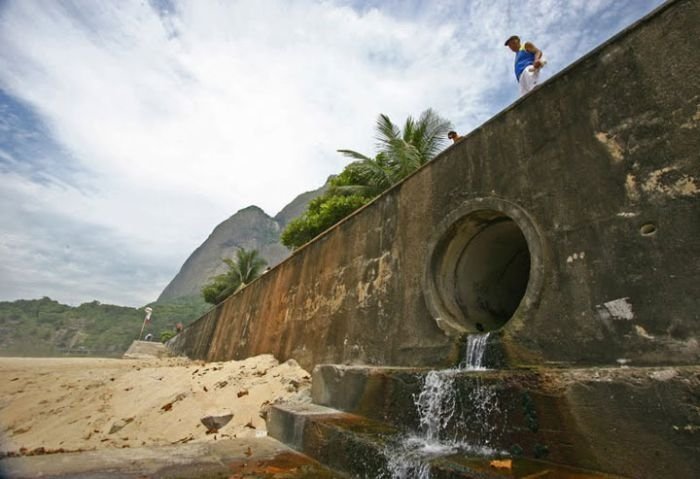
(599, 169)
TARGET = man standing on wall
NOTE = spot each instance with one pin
(528, 62)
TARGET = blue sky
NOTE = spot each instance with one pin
(130, 129)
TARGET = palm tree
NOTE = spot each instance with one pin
(399, 152)
(367, 177)
(247, 266)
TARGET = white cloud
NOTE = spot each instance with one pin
(176, 119)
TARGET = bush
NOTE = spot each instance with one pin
(321, 213)
(166, 335)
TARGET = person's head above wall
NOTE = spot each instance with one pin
(513, 43)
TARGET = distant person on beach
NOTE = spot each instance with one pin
(528, 63)
(454, 136)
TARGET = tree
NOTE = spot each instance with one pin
(399, 154)
(247, 266)
(321, 213)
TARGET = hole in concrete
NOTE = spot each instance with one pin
(479, 272)
(648, 229)
(491, 274)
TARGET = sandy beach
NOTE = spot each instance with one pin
(73, 404)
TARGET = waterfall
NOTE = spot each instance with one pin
(436, 404)
(443, 427)
(476, 346)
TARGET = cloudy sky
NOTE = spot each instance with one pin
(130, 129)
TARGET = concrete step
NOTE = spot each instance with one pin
(147, 350)
(590, 418)
(259, 458)
(341, 441)
(363, 448)
(506, 410)
(485, 468)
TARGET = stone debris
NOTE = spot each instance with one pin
(214, 423)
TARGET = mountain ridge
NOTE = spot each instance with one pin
(249, 228)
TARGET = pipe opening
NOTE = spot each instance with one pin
(491, 274)
(480, 270)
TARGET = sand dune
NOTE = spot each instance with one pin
(87, 403)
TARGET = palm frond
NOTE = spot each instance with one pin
(409, 128)
(430, 136)
(386, 132)
(373, 174)
(405, 159)
(399, 153)
(354, 154)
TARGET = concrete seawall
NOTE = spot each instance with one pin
(569, 224)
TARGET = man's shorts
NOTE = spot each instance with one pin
(529, 79)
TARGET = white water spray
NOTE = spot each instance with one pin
(438, 408)
(476, 346)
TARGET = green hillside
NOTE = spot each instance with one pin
(44, 327)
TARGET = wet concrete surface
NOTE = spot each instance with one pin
(260, 458)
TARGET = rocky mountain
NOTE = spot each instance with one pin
(297, 206)
(249, 228)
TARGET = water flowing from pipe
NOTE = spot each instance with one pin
(442, 419)
(476, 347)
